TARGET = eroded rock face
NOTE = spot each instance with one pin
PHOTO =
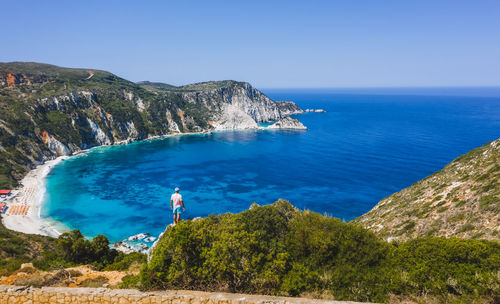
(288, 123)
(239, 106)
(54, 145)
(288, 108)
(232, 117)
(59, 148)
(98, 133)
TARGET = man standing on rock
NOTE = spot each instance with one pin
(176, 203)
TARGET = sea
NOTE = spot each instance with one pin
(369, 144)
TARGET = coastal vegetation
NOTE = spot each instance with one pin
(17, 248)
(274, 250)
(68, 250)
(279, 250)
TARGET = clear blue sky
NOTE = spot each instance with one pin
(268, 43)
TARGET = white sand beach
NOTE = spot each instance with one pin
(31, 194)
(32, 191)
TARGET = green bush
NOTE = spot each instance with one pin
(447, 266)
(78, 250)
(279, 250)
(124, 261)
(131, 281)
(7, 266)
(73, 249)
(17, 248)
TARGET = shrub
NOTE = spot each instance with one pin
(279, 250)
(94, 282)
(130, 281)
(78, 250)
(123, 262)
(73, 249)
(271, 249)
(440, 266)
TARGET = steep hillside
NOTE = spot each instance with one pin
(46, 111)
(17, 248)
(461, 200)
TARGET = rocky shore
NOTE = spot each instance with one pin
(314, 111)
(288, 123)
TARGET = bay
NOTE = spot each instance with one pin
(368, 145)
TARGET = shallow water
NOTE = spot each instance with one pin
(365, 148)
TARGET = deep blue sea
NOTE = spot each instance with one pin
(368, 145)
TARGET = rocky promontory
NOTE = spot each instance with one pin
(314, 111)
(288, 123)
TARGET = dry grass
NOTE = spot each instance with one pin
(462, 200)
(81, 276)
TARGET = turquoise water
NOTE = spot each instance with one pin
(366, 147)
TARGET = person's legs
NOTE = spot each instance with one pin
(177, 215)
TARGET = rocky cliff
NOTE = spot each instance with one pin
(288, 123)
(230, 104)
(46, 111)
(462, 200)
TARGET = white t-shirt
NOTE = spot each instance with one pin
(176, 198)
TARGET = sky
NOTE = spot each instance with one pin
(271, 44)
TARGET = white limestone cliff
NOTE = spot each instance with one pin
(239, 105)
(288, 123)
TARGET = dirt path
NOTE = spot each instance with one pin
(90, 75)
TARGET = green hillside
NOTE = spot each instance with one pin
(156, 86)
(462, 200)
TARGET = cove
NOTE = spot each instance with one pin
(366, 146)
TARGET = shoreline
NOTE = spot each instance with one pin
(31, 194)
(33, 188)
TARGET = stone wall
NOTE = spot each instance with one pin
(54, 295)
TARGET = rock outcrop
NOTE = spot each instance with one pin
(462, 200)
(288, 108)
(314, 111)
(288, 123)
(236, 105)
